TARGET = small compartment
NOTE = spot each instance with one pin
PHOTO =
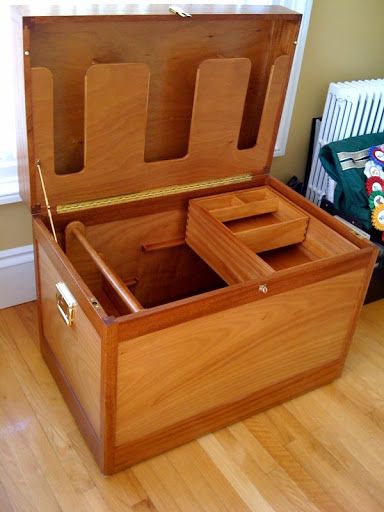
(271, 222)
(269, 231)
(218, 203)
(287, 257)
(242, 205)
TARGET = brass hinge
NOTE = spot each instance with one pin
(150, 194)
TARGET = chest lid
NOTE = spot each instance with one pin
(144, 99)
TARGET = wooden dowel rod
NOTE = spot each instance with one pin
(114, 280)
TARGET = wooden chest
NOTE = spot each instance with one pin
(187, 289)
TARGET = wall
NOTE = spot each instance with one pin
(344, 42)
(15, 226)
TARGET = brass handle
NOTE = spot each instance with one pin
(65, 303)
(263, 288)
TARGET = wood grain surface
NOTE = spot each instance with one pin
(242, 226)
(77, 348)
(320, 452)
(219, 247)
(274, 235)
(347, 238)
(121, 241)
(240, 211)
(206, 363)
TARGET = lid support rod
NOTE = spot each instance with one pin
(38, 166)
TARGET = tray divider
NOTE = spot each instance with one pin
(274, 236)
(245, 210)
(221, 250)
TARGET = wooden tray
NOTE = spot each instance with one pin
(228, 230)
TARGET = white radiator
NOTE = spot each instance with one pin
(351, 108)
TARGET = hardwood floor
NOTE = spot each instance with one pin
(321, 452)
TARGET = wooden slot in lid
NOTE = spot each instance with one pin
(130, 103)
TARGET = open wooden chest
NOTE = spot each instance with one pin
(187, 289)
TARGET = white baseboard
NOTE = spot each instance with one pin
(17, 276)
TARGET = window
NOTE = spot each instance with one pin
(8, 169)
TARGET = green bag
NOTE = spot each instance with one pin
(344, 161)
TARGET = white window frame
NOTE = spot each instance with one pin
(286, 116)
(9, 185)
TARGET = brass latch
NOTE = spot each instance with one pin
(65, 303)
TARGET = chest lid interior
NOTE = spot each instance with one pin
(134, 102)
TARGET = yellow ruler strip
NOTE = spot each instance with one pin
(149, 194)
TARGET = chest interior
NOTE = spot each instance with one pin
(193, 246)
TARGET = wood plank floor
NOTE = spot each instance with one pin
(321, 452)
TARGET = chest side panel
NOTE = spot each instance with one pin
(180, 372)
(77, 348)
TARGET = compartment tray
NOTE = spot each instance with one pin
(228, 230)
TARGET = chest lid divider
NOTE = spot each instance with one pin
(116, 103)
